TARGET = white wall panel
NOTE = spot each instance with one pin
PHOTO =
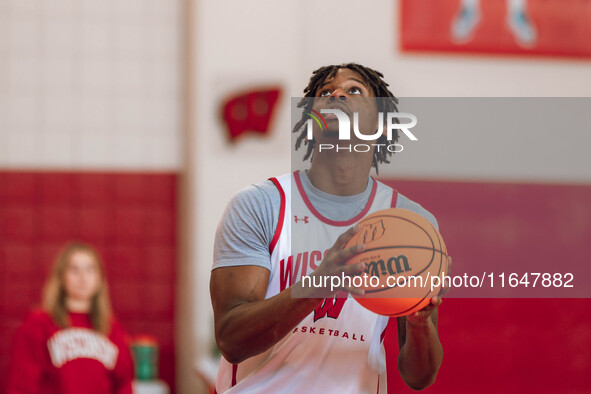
(86, 80)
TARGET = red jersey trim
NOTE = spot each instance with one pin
(326, 220)
(234, 373)
(394, 198)
(281, 216)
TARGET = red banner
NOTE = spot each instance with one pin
(526, 27)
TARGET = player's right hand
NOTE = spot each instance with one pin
(333, 264)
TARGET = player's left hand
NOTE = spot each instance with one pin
(422, 317)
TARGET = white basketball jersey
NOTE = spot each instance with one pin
(335, 349)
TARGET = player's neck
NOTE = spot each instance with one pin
(340, 174)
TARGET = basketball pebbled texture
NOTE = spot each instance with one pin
(399, 243)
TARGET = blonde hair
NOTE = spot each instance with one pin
(54, 291)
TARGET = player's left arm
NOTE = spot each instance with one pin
(421, 353)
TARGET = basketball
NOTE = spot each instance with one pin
(400, 245)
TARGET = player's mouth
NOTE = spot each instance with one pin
(329, 116)
(336, 105)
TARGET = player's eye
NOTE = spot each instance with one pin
(355, 90)
(324, 93)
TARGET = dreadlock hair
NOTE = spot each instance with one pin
(380, 89)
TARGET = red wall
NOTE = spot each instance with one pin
(490, 345)
(129, 217)
(509, 345)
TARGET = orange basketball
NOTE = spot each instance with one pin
(403, 253)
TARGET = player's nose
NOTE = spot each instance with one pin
(338, 93)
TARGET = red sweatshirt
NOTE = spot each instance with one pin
(74, 360)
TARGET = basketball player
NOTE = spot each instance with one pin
(274, 342)
(518, 21)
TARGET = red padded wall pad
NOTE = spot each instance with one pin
(508, 345)
(129, 217)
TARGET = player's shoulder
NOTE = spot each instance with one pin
(406, 203)
(256, 196)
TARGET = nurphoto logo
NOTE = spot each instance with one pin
(392, 122)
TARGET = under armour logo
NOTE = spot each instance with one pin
(304, 219)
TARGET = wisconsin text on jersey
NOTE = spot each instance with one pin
(369, 278)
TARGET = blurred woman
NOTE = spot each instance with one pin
(73, 345)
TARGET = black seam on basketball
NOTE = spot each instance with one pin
(389, 288)
(441, 247)
(441, 256)
(385, 289)
(409, 247)
(405, 246)
(402, 313)
(409, 221)
(414, 274)
(406, 310)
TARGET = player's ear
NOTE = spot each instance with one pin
(384, 120)
(385, 126)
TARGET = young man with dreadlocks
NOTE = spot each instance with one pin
(275, 334)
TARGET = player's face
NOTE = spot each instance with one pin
(345, 83)
(348, 92)
(82, 277)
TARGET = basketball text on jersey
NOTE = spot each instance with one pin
(329, 332)
(291, 272)
(330, 307)
(73, 343)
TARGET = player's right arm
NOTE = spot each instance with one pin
(247, 324)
